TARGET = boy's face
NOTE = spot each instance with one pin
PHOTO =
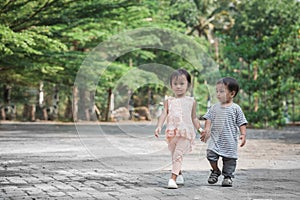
(223, 94)
(179, 85)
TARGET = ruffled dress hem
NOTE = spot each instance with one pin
(184, 133)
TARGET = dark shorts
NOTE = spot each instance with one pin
(229, 164)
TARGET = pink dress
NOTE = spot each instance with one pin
(179, 119)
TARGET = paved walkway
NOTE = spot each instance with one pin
(120, 161)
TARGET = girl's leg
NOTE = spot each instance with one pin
(174, 177)
(182, 146)
(172, 146)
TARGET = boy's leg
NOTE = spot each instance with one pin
(213, 158)
(229, 166)
(214, 165)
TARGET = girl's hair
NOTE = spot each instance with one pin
(178, 73)
(231, 84)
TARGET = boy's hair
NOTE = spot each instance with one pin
(178, 73)
(231, 84)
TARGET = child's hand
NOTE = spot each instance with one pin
(157, 131)
(243, 139)
(204, 135)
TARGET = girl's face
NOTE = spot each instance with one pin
(179, 86)
(223, 94)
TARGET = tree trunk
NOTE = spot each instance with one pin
(6, 100)
(68, 111)
(32, 112)
(39, 108)
(82, 111)
(256, 100)
(107, 114)
(92, 109)
(293, 107)
(55, 103)
(3, 116)
(41, 94)
(7, 94)
(75, 103)
(29, 112)
(45, 114)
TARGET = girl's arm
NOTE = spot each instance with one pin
(161, 119)
(195, 120)
(206, 132)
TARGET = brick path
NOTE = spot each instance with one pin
(50, 161)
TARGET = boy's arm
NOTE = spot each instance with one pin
(241, 123)
(161, 119)
(243, 135)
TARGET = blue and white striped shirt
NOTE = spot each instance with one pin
(225, 123)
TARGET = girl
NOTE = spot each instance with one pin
(180, 112)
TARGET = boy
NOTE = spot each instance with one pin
(221, 126)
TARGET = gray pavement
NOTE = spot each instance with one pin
(125, 161)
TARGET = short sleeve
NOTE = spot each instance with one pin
(208, 115)
(240, 117)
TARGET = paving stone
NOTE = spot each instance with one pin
(46, 187)
(268, 168)
(79, 194)
(16, 193)
(33, 191)
(127, 197)
(60, 178)
(63, 186)
(43, 178)
(16, 180)
(101, 195)
(57, 194)
(147, 197)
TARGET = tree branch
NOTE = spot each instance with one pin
(46, 5)
(3, 9)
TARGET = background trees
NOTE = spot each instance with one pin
(262, 52)
(43, 44)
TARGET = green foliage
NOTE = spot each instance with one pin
(49, 40)
(262, 52)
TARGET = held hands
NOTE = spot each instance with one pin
(157, 131)
(204, 134)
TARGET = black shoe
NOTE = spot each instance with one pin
(213, 178)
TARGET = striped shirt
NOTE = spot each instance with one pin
(225, 123)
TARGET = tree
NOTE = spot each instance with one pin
(262, 52)
(24, 46)
(204, 18)
(46, 41)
